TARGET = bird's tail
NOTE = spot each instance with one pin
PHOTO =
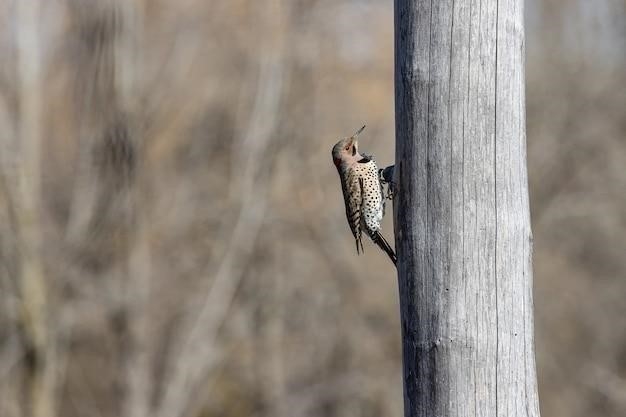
(378, 238)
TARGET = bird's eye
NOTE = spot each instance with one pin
(347, 148)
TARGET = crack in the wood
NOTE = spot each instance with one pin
(495, 193)
(469, 67)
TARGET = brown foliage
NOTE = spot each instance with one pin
(188, 225)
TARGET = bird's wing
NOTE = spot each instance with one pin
(353, 197)
(360, 203)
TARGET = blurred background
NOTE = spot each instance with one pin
(172, 231)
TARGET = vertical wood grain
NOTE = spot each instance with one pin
(461, 212)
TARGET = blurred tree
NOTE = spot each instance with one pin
(461, 212)
(169, 280)
(33, 325)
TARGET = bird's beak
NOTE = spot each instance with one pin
(358, 131)
(353, 138)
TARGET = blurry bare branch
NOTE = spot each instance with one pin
(37, 337)
(183, 219)
(196, 356)
(105, 99)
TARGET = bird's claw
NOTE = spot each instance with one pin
(390, 191)
(385, 178)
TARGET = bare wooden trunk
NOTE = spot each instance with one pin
(461, 214)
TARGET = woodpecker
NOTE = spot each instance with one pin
(362, 192)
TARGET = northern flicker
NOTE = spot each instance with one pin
(362, 192)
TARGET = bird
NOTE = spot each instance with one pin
(362, 193)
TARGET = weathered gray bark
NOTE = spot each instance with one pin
(462, 219)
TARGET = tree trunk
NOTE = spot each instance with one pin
(461, 212)
(36, 328)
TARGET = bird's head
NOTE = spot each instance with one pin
(347, 149)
